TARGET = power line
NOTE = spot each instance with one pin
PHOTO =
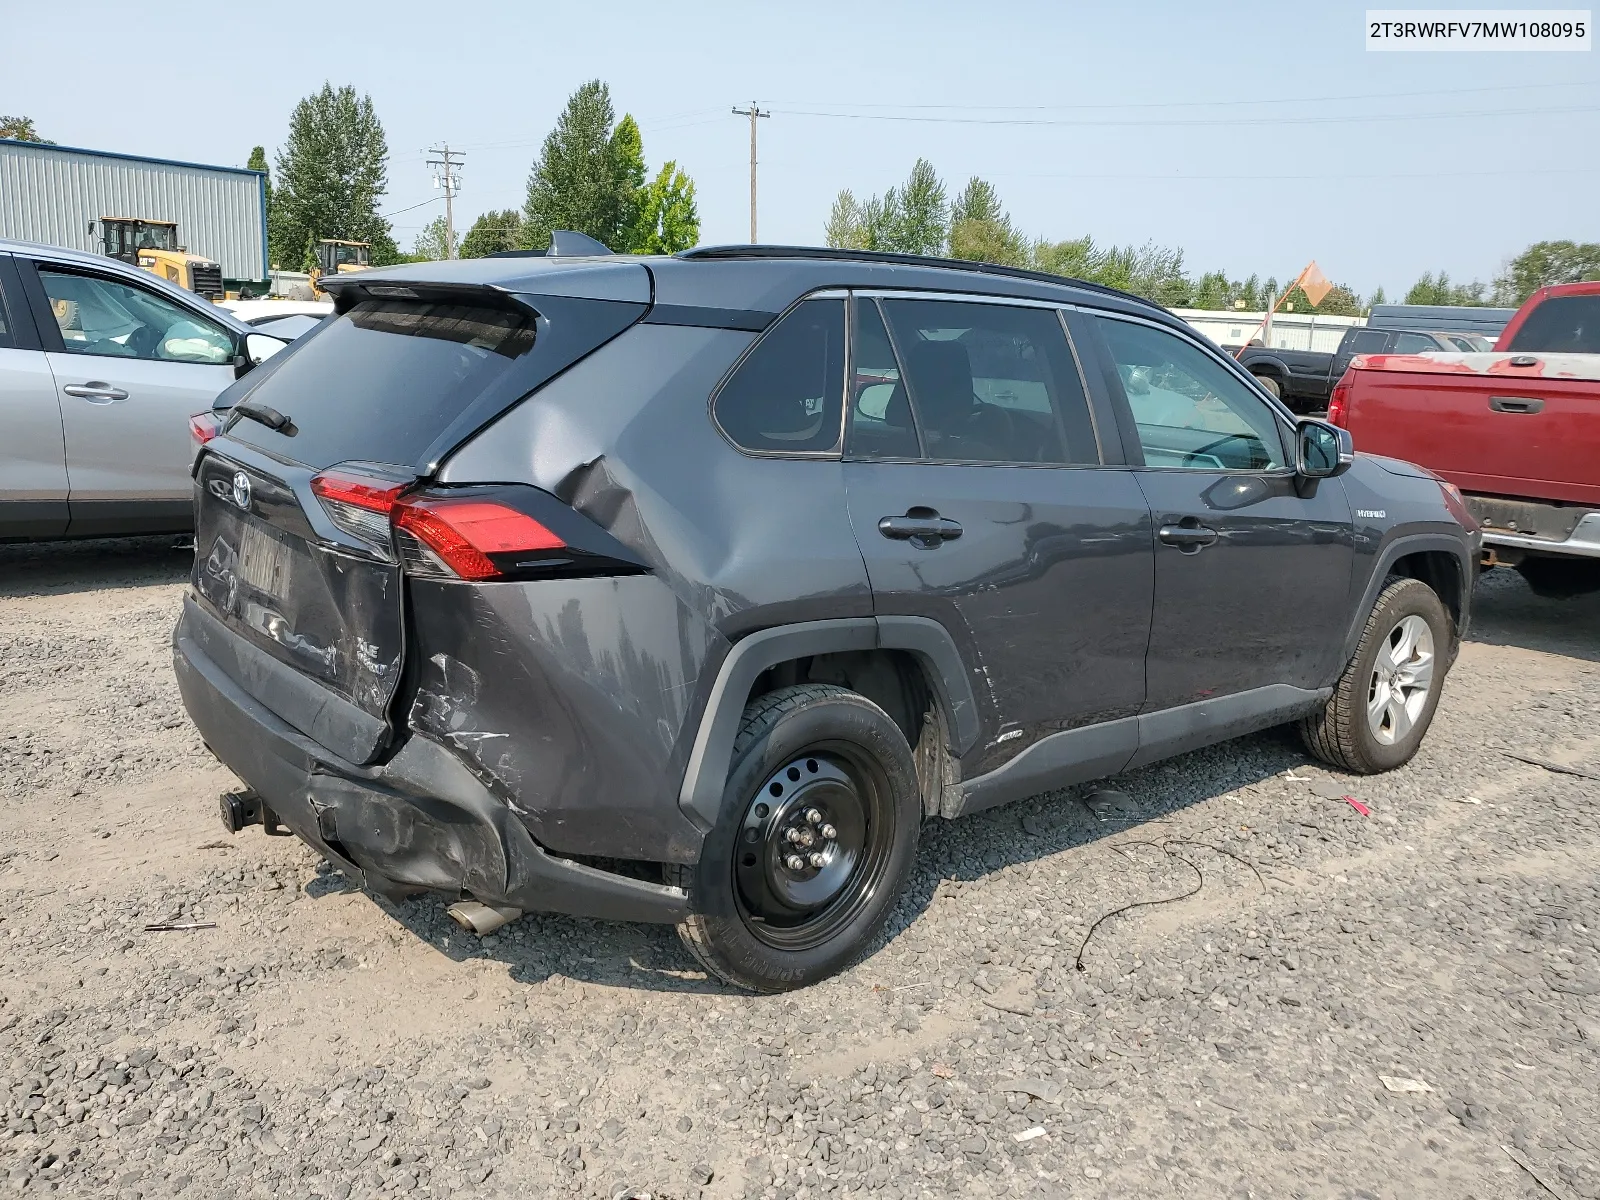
(1275, 101)
(1328, 119)
(753, 112)
(445, 176)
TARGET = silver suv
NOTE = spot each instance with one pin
(101, 367)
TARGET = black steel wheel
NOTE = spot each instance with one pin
(818, 834)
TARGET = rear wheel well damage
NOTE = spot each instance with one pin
(896, 681)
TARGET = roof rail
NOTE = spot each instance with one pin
(832, 254)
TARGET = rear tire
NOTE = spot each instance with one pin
(1272, 385)
(1385, 700)
(823, 778)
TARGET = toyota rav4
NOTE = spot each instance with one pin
(687, 589)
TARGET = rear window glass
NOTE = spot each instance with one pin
(1561, 325)
(787, 395)
(382, 381)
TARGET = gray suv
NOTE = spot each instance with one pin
(686, 589)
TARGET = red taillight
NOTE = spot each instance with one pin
(1339, 402)
(374, 495)
(204, 426)
(464, 533)
(358, 504)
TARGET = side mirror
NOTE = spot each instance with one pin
(255, 350)
(1324, 450)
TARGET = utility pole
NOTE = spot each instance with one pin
(445, 176)
(752, 112)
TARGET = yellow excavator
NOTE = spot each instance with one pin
(338, 257)
(153, 245)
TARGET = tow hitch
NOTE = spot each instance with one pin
(245, 808)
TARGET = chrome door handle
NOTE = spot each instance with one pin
(95, 392)
(920, 526)
(1187, 537)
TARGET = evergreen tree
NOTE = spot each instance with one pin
(587, 175)
(492, 233)
(258, 162)
(666, 219)
(332, 171)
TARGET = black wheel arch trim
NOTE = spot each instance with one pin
(711, 754)
(1398, 546)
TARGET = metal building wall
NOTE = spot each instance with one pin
(51, 194)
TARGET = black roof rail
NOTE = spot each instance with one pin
(832, 254)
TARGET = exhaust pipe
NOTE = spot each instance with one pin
(481, 919)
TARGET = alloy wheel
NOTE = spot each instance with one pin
(1402, 676)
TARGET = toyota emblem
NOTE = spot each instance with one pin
(241, 490)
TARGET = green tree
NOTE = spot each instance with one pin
(916, 216)
(258, 162)
(1377, 298)
(1543, 264)
(432, 243)
(587, 175)
(332, 171)
(492, 233)
(21, 129)
(981, 231)
(1431, 289)
(857, 224)
(666, 219)
(1075, 259)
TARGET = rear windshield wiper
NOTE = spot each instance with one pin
(266, 415)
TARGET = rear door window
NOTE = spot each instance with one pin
(1561, 325)
(786, 396)
(1368, 341)
(989, 382)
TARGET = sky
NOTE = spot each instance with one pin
(1252, 136)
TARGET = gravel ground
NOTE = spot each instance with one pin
(322, 1042)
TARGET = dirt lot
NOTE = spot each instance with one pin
(320, 1042)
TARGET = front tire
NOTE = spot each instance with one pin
(1385, 700)
(817, 837)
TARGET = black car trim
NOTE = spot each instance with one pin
(14, 306)
(706, 773)
(1096, 751)
(745, 320)
(119, 518)
(1397, 547)
(28, 519)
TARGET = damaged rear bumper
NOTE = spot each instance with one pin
(420, 821)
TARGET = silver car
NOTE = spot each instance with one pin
(101, 366)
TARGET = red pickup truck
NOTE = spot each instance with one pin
(1517, 430)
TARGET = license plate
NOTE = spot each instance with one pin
(263, 561)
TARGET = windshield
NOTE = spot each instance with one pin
(1560, 325)
(350, 255)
